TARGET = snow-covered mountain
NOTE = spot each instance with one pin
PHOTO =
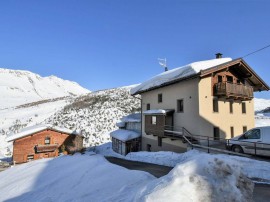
(19, 87)
(261, 104)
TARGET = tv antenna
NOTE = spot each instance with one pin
(163, 63)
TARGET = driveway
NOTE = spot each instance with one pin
(261, 191)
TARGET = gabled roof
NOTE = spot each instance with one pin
(200, 69)
(38, 128)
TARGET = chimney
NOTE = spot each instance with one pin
(218, 55)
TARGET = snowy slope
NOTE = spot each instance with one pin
(19, 87)
(95, 114)
(261, 104)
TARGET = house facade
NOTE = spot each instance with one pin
(209, 98)
(44, 141)
(128, 137)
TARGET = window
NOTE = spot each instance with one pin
(154, 120)
(47, 140)
(148, 106)
(229, 79)
(219, 79)
(30, 157)
(231, 107)
(244, 110)
(244, 129)
(232, 132)
(148, 147)
(159, 98)
(216, 133)
(159, 141)
(253, 134)
(215, 105)
(180, 105)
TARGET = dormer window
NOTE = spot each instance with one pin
(47, 141)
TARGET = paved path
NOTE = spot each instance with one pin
(261, 191)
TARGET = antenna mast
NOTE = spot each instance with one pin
(163, 63)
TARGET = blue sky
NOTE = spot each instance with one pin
(103, 44)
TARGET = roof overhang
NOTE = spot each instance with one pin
(241, 68)
(159, 112)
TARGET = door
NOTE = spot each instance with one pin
(252, 142)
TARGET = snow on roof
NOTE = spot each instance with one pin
(124, 135)
(120, 124)
(37, 128)
(135, 117)
(158, 111)
(177, 73)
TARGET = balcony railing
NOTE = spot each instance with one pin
(233, 90)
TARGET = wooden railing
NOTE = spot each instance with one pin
(234, 90)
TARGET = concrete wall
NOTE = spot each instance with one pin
(186, 90)
(222, 119)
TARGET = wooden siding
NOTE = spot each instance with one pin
(158, 128)
(27, 145)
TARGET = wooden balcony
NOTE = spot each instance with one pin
(233, 90)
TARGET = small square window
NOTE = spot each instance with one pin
(244, 129)
(159, 141)
(159, 98)
(231, 107)
(154, 120)
(215, 105)
(148, 106)
(244, 110)
(47, 141)
(232, 131)
(180, 105)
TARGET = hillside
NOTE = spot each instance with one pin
(18, 87)
(95, 114)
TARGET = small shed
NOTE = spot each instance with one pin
(44, 141)
(128, 137)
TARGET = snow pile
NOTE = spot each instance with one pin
(19, 87)
(205, 178)
(254, 169)
(71, 178)
(124, 135)
(90, 177)
(178, 73)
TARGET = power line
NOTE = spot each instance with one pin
(256, 51)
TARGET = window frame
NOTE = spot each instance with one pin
(47, 138)
(154, 120)
(215, 107)
(148, 106)
(232, 131)
(160, 98)
(180, 110)
(160, 141)
(231, 107)
(244, 108)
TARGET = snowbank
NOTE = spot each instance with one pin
(124, 135)
(254, 169)
(71, 178)
(204, 178)
(178, 73)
